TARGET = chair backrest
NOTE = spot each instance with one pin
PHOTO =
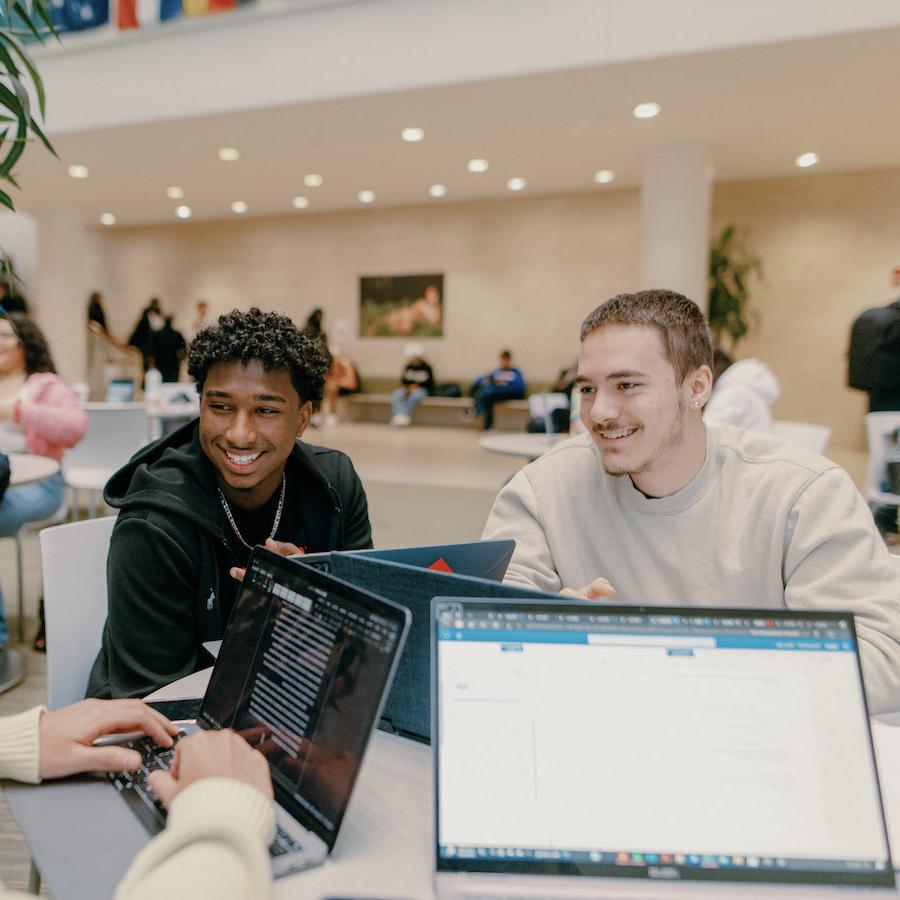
(879, 428)
(542, 406)
(116, 431)
(73, 562)
(82, 391)
(803, 434)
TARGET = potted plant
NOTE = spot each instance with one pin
(731, 269)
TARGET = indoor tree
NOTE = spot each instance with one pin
(731, 269)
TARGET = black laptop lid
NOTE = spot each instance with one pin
(302, 674)
(408, 707)
(480, 559)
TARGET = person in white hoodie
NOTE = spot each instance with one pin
(743, 393)
(653, 506)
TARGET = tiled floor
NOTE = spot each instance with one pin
(425, 485)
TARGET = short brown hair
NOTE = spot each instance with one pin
(679, 321)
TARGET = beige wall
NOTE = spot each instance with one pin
(519, 273)
(523, 272)
(828, 245)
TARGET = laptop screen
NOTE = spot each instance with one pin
(302, 673)
(654, 743)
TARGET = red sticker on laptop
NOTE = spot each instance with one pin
(440, 565)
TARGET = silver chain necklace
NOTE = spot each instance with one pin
(275, 524)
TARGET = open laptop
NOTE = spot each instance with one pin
(407, 711)
(638, 752)
(302, 674)
(480, 559)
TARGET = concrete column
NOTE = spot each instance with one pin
(676, 198)
(59, 303)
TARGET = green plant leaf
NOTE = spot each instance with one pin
(6, 200)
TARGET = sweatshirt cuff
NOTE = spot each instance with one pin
(20, 746)
(222, 801)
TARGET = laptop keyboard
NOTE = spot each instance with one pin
(134, 789)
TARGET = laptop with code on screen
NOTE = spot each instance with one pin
(642, 752)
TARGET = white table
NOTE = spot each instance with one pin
(529, 445)
(82, 836)
(26, 468)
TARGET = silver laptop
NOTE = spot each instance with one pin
(651, 752)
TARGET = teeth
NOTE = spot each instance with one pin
(615, 435)
(241, 460)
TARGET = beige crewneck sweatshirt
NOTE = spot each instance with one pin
(763, 524)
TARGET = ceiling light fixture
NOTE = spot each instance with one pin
(477, 165)
(604, 176)
(517, 184)
(107, 219)
(646, 110)
(366, 196)
(299, 202)
(313, 180)
(438, 190)
(805, 160)
(412, 135)
(79, 171)
(183, 212)
(229, 154)
(239, 207)
(174, 192)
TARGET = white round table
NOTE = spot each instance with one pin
(530, 445)
(26, 468)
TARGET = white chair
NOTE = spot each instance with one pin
(82, 391)
(542, 406)
(879, 428)
(803, 434)
(116, 431)
(73, 562)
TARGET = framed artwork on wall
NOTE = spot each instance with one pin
(401, 305)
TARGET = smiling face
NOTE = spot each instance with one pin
(646, 424)
(249, 419)
(12, 352)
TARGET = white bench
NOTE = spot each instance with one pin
(510, 415)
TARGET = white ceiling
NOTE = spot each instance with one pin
(756, 109)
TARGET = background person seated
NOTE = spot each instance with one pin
(416, 382)
(219, 799)
(506, 382)
(743, 393)
(39, 413)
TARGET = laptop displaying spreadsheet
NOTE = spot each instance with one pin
(630, 747)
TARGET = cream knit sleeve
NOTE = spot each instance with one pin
(215, 845)
(20, 747)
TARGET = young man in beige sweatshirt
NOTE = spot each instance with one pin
(219, 795)
(653, 507)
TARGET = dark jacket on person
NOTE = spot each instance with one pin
(171, 551)
(419, 374)
(873, 359)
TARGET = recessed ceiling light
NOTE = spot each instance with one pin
(805, 160)
(477, 165)
(174, 192)
(438, 190)
(313, 180)
(79, 171)
(604, 176)
(107, 219)
(299, 202)
(412, 135)
(183, 212)
(229, 154)
(517, 184)
(646, 110)
(366, 196)
(239, 207)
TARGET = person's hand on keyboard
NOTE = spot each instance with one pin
(67, 735)
(209, 754)
(598, 589)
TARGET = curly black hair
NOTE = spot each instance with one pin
(37, 353)
(271, 338)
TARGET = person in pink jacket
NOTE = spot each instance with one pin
(39, 413)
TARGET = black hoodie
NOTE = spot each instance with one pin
(169, 555)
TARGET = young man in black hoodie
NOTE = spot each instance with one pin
(194, 504)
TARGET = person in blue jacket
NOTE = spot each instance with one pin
(506, 382)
